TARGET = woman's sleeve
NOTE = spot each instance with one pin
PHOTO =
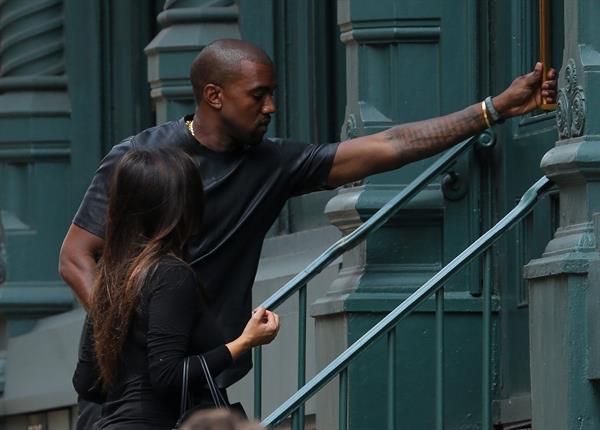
(86, 379)
(172, 311)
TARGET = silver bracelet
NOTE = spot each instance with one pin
(492, 110)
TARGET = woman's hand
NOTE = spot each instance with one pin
(260, 330)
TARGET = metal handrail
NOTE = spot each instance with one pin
(298, 283)
(379, 218)
(340, 364)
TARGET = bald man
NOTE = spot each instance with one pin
(248, 177)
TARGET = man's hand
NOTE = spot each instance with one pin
(526, 93)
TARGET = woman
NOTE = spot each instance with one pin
(148, 313)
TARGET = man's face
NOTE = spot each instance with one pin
(247, 102)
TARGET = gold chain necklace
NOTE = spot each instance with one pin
(190, 127)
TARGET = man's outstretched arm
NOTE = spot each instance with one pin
(77, 262)
(402, 144)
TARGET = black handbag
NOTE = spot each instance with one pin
(186, 409)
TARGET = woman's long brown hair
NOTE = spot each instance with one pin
(155, 205)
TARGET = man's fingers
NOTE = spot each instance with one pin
(537, 71)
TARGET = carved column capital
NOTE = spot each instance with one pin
(570, 118)
(188, 26)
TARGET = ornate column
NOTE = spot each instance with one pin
(395, 55)
(564, 284)
(188, 26)
(34, 157)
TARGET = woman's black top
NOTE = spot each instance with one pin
(172, 322)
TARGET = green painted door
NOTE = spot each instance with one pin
(406, 61)
(513, 167)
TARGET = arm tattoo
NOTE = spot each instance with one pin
(418, 140)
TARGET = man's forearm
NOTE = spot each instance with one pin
(418, 140)
(80, 277)
(77, 262)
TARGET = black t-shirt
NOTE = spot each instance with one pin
(245, 190)
(172, 322)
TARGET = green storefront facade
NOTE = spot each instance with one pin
(78, 76)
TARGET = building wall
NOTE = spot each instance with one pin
(105, 87)
(76, 77)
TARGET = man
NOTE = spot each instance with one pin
(248, 178)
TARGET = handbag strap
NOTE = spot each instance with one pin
(218, 398)
(184, 386)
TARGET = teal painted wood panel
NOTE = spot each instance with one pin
(415, 383)
(409, 61)
(303, 40)
(68, 92)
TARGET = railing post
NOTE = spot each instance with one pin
(343, 400)
(391, 379)
(301, 351)
(258, 382)
(439, 359)
(486, 344)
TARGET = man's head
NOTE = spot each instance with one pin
(218, 419)
(235, 80)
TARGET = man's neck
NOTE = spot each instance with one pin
(211, 137)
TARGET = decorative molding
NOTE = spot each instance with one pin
(34, 152)
(570, 118)
(392, 34)
(35, 299)
(369, 32)
(350, 129)
(380, 301)
(25, 83)
(187, 27)
(563, 114)
(578, 112)
(35, 49)
(2, 261)
(219, 12)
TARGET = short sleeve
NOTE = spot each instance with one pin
(307, 164)
(91, 215)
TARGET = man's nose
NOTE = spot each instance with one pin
(269, 106)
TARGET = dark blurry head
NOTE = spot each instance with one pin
(218, 419)
(155, 204)
(236, 80)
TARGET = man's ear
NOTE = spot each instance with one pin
(213, 96)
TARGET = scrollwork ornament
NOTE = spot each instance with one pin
(571, 76)
(570, 115)
(563, 114)
(350, 131)
(350, 128)
(578, 112)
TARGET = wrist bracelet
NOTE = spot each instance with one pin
(485, 115)
(492, 111)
